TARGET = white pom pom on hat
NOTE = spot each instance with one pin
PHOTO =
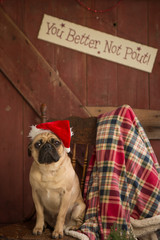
(60, 128)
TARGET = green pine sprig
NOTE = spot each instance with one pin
(119, 234)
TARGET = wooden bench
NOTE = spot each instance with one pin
(82, 144)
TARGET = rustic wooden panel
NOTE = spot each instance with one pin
(33, 66)
(72, 61)
(33, 14)
(15, 9)
(11, 164)
(154, 40)
(101, 74)
(155, 146)
(32, 75)
(132, 25)
(58, 57)
(29, 118)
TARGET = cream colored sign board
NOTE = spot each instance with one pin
(97, 43)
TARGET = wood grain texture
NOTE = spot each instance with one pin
(133, 84)
(18, 70)
(154, 40)
(69, 82)
(30, 118)
(101, 74)
(11, 163)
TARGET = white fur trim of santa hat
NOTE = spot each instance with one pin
(36, 131)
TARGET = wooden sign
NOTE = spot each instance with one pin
(97, 43)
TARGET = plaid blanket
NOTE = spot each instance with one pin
(123, 178)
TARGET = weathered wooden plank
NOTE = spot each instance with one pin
(150, 119)
(14, 10)
(24, 66)
(102, 74)
(46, 49)
(72, 61)
(132, 84)
(29, 118)
(11, 161)
(154, 40)
(155, 146)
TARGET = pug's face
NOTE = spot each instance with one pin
(46, 148)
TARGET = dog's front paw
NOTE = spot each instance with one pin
(57, 234)
(37, 230)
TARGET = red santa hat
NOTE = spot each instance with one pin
(60, 128)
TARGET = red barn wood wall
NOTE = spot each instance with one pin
(34, 71)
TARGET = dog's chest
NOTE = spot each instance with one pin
(50, 198)
(50, 192)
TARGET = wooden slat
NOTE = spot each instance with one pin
(74, 156)
(132, 84)
(29, 118)
(154, 41)
(11, 162)
(72, 61)
(84, 167)
(150, 119)
(101, 74)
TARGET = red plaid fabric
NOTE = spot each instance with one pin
(123, 178)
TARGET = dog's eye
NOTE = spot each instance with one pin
(38, 144)
(56, 143)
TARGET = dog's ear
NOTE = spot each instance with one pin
(29, 149)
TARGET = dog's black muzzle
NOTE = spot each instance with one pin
(48, 154)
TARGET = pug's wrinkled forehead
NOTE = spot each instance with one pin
(60, 128)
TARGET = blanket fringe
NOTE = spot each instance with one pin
(76, 234)
(145, 226)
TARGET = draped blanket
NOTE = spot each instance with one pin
(123, 178)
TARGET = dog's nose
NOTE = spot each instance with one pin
(47, 145)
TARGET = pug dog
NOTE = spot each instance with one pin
(55, 186)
